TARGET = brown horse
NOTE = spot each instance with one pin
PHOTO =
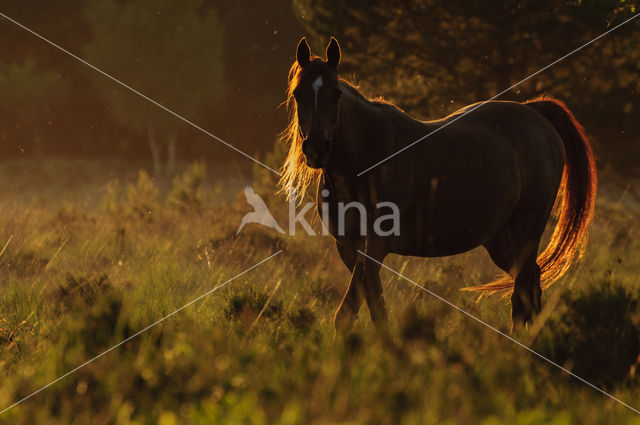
(490, 178)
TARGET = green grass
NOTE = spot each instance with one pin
(90, 262)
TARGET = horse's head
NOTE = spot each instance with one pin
(317, 95)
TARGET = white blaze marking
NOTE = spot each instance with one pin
(316, 86)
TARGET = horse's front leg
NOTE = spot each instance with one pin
(366, 278)
(373, 293)
(352, 300)
(348, 311)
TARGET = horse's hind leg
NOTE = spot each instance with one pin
(526, 297)
(514, 250)
(500, 249)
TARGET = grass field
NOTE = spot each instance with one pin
(94, 252)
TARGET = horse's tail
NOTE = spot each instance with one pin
(575, 203)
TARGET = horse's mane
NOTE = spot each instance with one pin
(296, 175)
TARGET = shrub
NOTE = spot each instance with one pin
(596, 334)
(247, 305)
(302, 319)
(265, 182)
(186, 193)
(112, 200)
(80, 292)
(142, 198)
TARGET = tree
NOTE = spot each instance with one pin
(74, 113)
(257, 57)
(28, 94)
(169, 51)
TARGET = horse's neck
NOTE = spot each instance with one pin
(365, 134)
(358, 129)
(340, 186)
(355, 133)
(369, 131)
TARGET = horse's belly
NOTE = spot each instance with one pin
(440, 239)
(458, 213)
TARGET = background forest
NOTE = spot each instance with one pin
(223, 65)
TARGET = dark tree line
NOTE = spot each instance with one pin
(434, 56)
(220, 64)
(223, 65)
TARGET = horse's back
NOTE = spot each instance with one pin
(538, 148)
(521, 125)
(475, 171)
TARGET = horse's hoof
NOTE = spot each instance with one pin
(520, 322)
(523, 308)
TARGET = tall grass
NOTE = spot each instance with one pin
(91, 261)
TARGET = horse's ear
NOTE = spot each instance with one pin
(303, 53)
(333, 53)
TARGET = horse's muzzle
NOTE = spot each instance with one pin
(316, 156)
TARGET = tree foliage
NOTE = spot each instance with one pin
(433, 56)
(170, 51)
(28, 91)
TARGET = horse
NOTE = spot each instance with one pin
(490, 176)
